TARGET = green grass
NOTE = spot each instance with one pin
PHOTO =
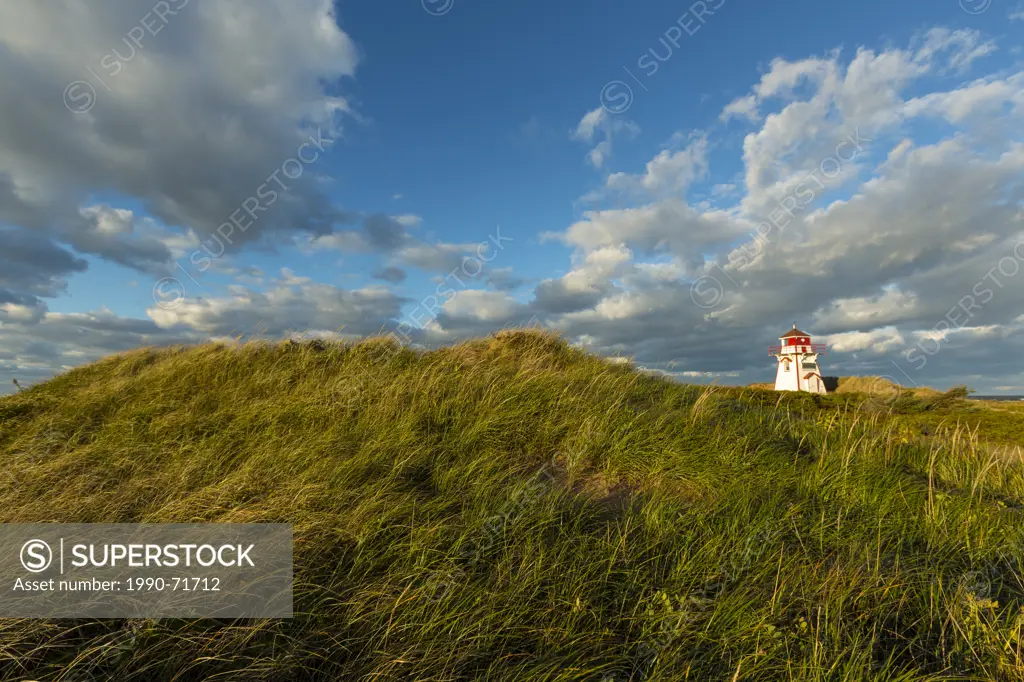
(514, 509)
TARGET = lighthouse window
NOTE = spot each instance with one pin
(810, 365)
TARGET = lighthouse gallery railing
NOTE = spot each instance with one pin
(812, 348)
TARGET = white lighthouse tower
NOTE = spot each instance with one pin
(798, 362)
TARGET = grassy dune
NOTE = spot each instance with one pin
(874, 385)
(514, 509)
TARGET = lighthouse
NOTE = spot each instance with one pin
(798, 362)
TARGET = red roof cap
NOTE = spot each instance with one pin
(794, 332)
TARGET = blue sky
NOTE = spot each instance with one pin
(455, 120)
